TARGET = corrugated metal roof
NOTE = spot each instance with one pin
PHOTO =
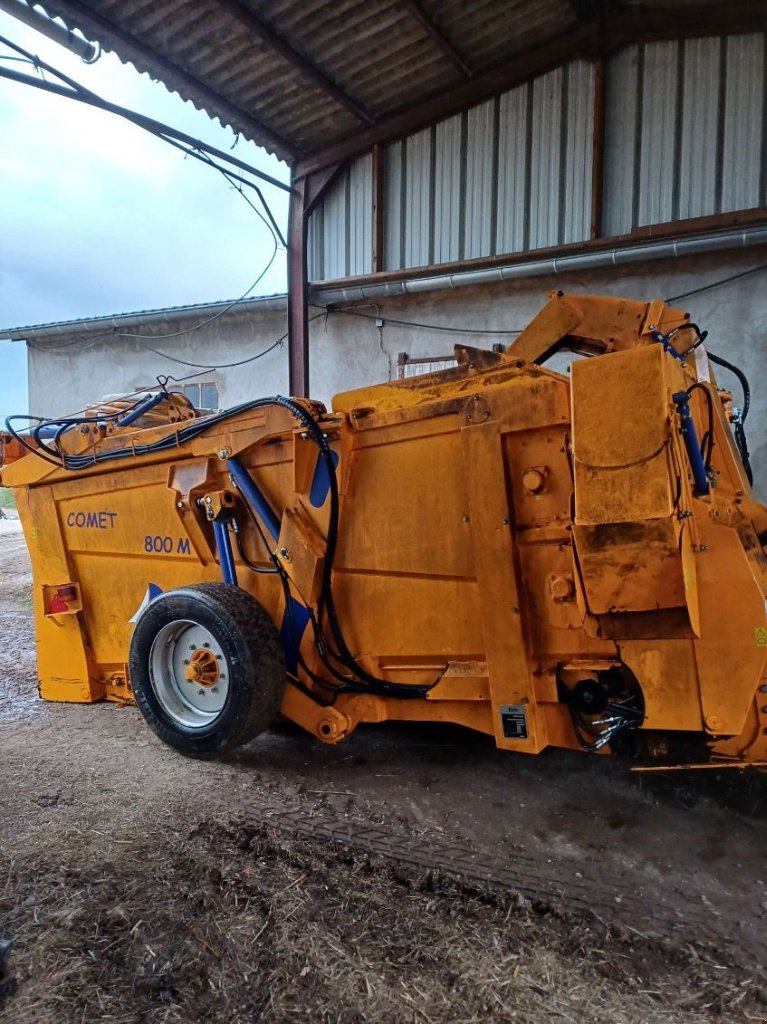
(376, 52)
(298, 76)
(118, 321)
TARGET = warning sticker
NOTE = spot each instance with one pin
(514, 720)
(760, 636)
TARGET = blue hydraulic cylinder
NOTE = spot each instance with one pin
(254, 497)
(225, 556)
(699, 474)
(141, 409)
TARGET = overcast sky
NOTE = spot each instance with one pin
(98, 216)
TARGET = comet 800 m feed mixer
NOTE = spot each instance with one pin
(572, 561)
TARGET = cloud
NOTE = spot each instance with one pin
(97, 216)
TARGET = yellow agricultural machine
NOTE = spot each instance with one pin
(571, 560)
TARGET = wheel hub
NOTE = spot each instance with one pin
(203, 668)
(189, 673)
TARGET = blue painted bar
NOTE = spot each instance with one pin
(321, 480)
(254, 497)
(225, 556)
(136, 414)
(682, 402)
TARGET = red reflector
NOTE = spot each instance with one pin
(58, 604)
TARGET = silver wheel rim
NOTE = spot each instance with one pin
(182, 649)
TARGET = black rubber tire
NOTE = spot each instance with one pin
(249, 640)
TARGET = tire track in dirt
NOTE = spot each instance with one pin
(581, 888)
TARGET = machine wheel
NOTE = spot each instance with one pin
(207, 668)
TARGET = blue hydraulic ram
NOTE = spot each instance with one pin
(225, 555)
(700, 476)
(254, 497)
(141, 409)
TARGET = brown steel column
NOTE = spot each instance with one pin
(298, 294)
(307, 192)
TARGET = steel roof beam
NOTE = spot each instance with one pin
(131, 48)
(438, 36)
(267, 35)
(589, 40)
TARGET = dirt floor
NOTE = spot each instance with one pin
(408, 875)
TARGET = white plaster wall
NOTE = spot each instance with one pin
(68, 372)
(348, 352)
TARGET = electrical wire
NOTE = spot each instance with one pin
(716, 284)
(210, 319)
(239, 362)
(413, 323)
(189, 146)
(79, 92)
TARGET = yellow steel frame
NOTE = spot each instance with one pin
(505, 532)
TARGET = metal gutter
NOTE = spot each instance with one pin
(327, 295)
(673, 248)
(144, 320)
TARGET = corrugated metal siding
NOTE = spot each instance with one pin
(417, 201)
(545, 158)
(481, 181)
(657, 132)
(394, 156)
(340, 235)
(699, 151)
(360, 256)
(684, 137)
(575, 223)
(744, 111)
(491, 181)
(622, 76)
(513, 170)
(448, 146)
(685, 131)
(335, 219)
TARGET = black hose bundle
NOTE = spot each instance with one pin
(360, 680)
(739, 421)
